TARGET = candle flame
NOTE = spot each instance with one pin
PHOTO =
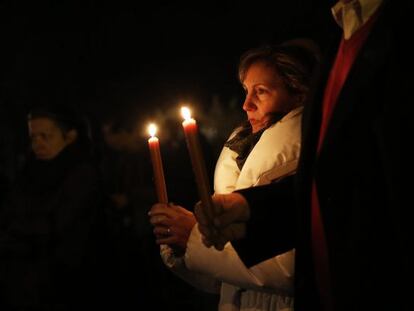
(186, 113)
(152, 129)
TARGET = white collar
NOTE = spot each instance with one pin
(292, 114)
(353, 14)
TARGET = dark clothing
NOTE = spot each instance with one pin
(47, 230)
(359, 173)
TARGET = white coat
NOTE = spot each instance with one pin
(269, 284)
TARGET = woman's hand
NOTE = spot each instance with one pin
(172, 225)
(228, 225)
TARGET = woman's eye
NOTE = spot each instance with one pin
(261, 91)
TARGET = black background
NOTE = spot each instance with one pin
(113, 55)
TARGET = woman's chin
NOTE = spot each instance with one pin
(256, 126)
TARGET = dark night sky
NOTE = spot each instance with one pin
(89, 49)
(124, 57)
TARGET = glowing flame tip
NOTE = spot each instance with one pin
(186, 113)
(152, 129)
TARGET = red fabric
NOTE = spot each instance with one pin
(346, 55)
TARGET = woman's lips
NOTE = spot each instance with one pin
(254, 121)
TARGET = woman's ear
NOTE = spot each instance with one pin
(71, 136)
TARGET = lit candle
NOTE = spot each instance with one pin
(197, 160)
(154, 147)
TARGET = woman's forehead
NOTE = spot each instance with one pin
(261, 72)
(43, 124)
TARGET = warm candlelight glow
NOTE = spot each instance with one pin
(186, 113)
(152, 129)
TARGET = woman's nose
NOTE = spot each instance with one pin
(34, 140)
(35, 144)
(248, 104)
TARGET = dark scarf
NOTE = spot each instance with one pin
(45, 176)
(245, 140)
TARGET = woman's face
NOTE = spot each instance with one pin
(47, 138)
(265, 94)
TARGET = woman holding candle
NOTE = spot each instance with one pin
(263, 150)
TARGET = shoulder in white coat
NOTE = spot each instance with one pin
(274, 156)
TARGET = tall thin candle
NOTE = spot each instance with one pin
(197, 160)
(159, 180)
